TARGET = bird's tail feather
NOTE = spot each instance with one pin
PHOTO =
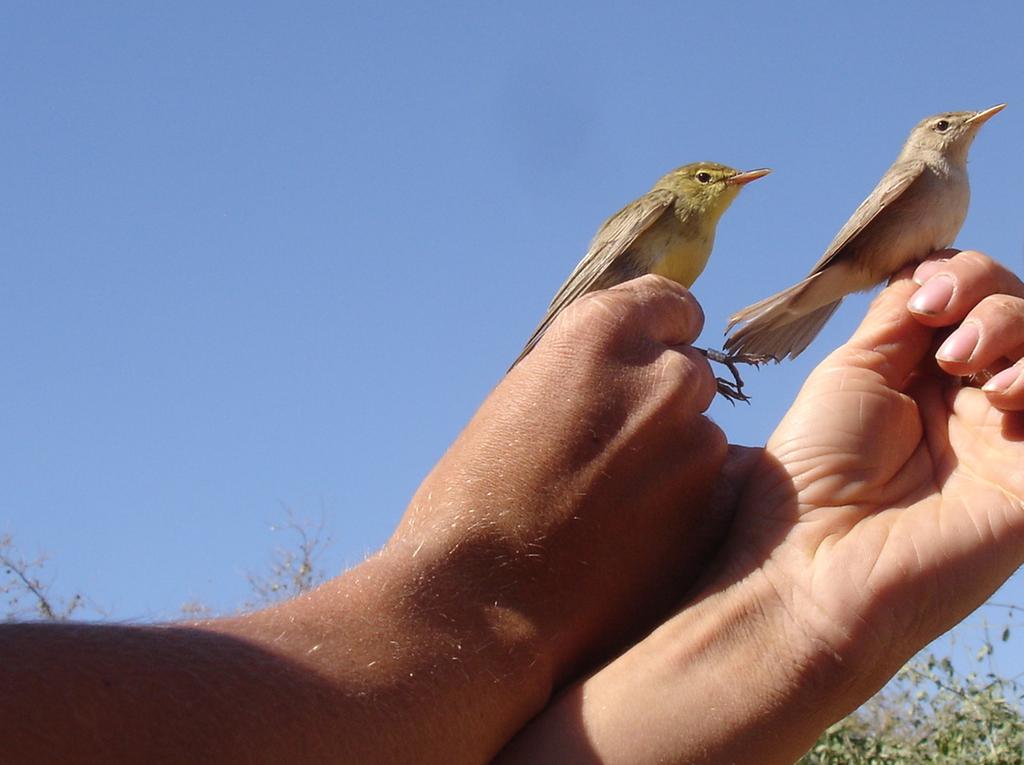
(772, 328)
(784, 340)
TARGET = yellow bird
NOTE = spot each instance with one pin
(669, 231)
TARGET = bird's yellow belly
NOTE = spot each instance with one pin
(683, 260)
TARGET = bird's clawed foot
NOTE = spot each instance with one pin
(732, 390)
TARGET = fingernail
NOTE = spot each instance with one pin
(933, 297)
(928, 269)
(1002, 381)
(961, 344)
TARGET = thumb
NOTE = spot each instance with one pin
(889, 341)
(654, 307)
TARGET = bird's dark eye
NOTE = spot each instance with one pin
(942, 126)
(704, 177)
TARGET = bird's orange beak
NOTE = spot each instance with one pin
(983, 116)
(742, 179)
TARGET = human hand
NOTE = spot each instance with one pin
(577, 498)
(885, 507)
(576, 507)
(891, 502)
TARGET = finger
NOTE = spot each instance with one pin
(889, 341)
(1006, 389)
(687, 369)
(950, 288)
(653, 307)
(992, 331)
(931, 265)
(646, 322)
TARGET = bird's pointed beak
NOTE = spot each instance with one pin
(982, 117)
(742, 179)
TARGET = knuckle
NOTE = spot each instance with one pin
(679, 377)
(975, 259)
(652, 284)
(997, 277)
(603, 312)
(596, 324)
(652, 288)
(662, 302)
(646, 312)
(672, 368)
(1007, 306)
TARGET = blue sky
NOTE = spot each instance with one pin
(259, 254)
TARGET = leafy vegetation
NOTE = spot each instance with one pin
(931, 713)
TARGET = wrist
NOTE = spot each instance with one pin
(758, 687)
(725, 680)
(753, 689)
(447, 593)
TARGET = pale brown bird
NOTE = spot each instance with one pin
(917, 208)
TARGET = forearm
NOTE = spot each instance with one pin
(90, 693)
(420, 671)
(348, 673)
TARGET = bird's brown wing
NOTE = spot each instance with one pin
(774, 326)
(602, 266)
(896, 180)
